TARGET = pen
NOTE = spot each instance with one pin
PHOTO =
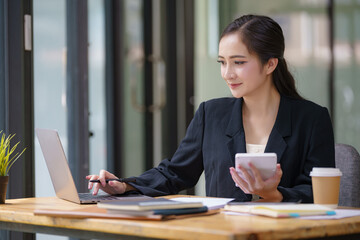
(116, 179)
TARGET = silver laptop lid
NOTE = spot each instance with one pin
(57, 164)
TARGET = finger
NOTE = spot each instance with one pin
(273, 182)
(102, 184)
(279, 170)
(88, 177)
(238, 180)
(97, 186)
(240, 176)
(246, 175)
(278, 173)
(91, 177)
(106, 175)
(256, 173)
(102, 178)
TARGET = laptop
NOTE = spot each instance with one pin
(60, 173)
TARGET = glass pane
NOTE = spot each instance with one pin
(133, 118)
(97, 118)
(347, 73)
(2, 67)
(49, 84)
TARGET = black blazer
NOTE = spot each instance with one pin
(302, 138)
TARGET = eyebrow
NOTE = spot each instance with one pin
(234, 56)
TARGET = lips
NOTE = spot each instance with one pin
(234, 85)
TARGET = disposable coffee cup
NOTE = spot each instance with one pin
(326, 186)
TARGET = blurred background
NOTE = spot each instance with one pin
(121, 80)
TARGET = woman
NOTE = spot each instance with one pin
(265, 115)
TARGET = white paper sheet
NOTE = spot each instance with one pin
(237, 213)
(211, 203)
(340, 213)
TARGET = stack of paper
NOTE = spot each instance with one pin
(154, 206)
(281, 210)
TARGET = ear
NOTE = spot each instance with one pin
(271, 65)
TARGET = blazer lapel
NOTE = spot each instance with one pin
(281, 129)
(235, 131)
(276, 143)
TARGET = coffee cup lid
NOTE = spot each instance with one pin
(325, 172)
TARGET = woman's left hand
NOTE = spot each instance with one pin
(256, 185)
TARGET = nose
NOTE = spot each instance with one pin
(229, 73)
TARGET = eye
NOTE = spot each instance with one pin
(221, 62)
(240, 62)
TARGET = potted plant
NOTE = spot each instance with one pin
(7, 158)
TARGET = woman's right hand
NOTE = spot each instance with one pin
(112, 187)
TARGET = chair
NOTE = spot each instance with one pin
(347, 159)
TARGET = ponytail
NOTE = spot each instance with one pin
(284, 81)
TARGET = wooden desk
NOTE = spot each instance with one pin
(17, 214)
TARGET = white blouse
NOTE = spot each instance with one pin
(255, 148)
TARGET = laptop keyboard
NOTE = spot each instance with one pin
(89, 196)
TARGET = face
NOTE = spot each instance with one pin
(242, 71)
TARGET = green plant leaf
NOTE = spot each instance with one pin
(7, 154)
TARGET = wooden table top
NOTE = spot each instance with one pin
(218, 226)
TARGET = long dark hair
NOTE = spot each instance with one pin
(264, 37)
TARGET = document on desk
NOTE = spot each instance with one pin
(210, 202)
(340, 213)
(280, 210)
